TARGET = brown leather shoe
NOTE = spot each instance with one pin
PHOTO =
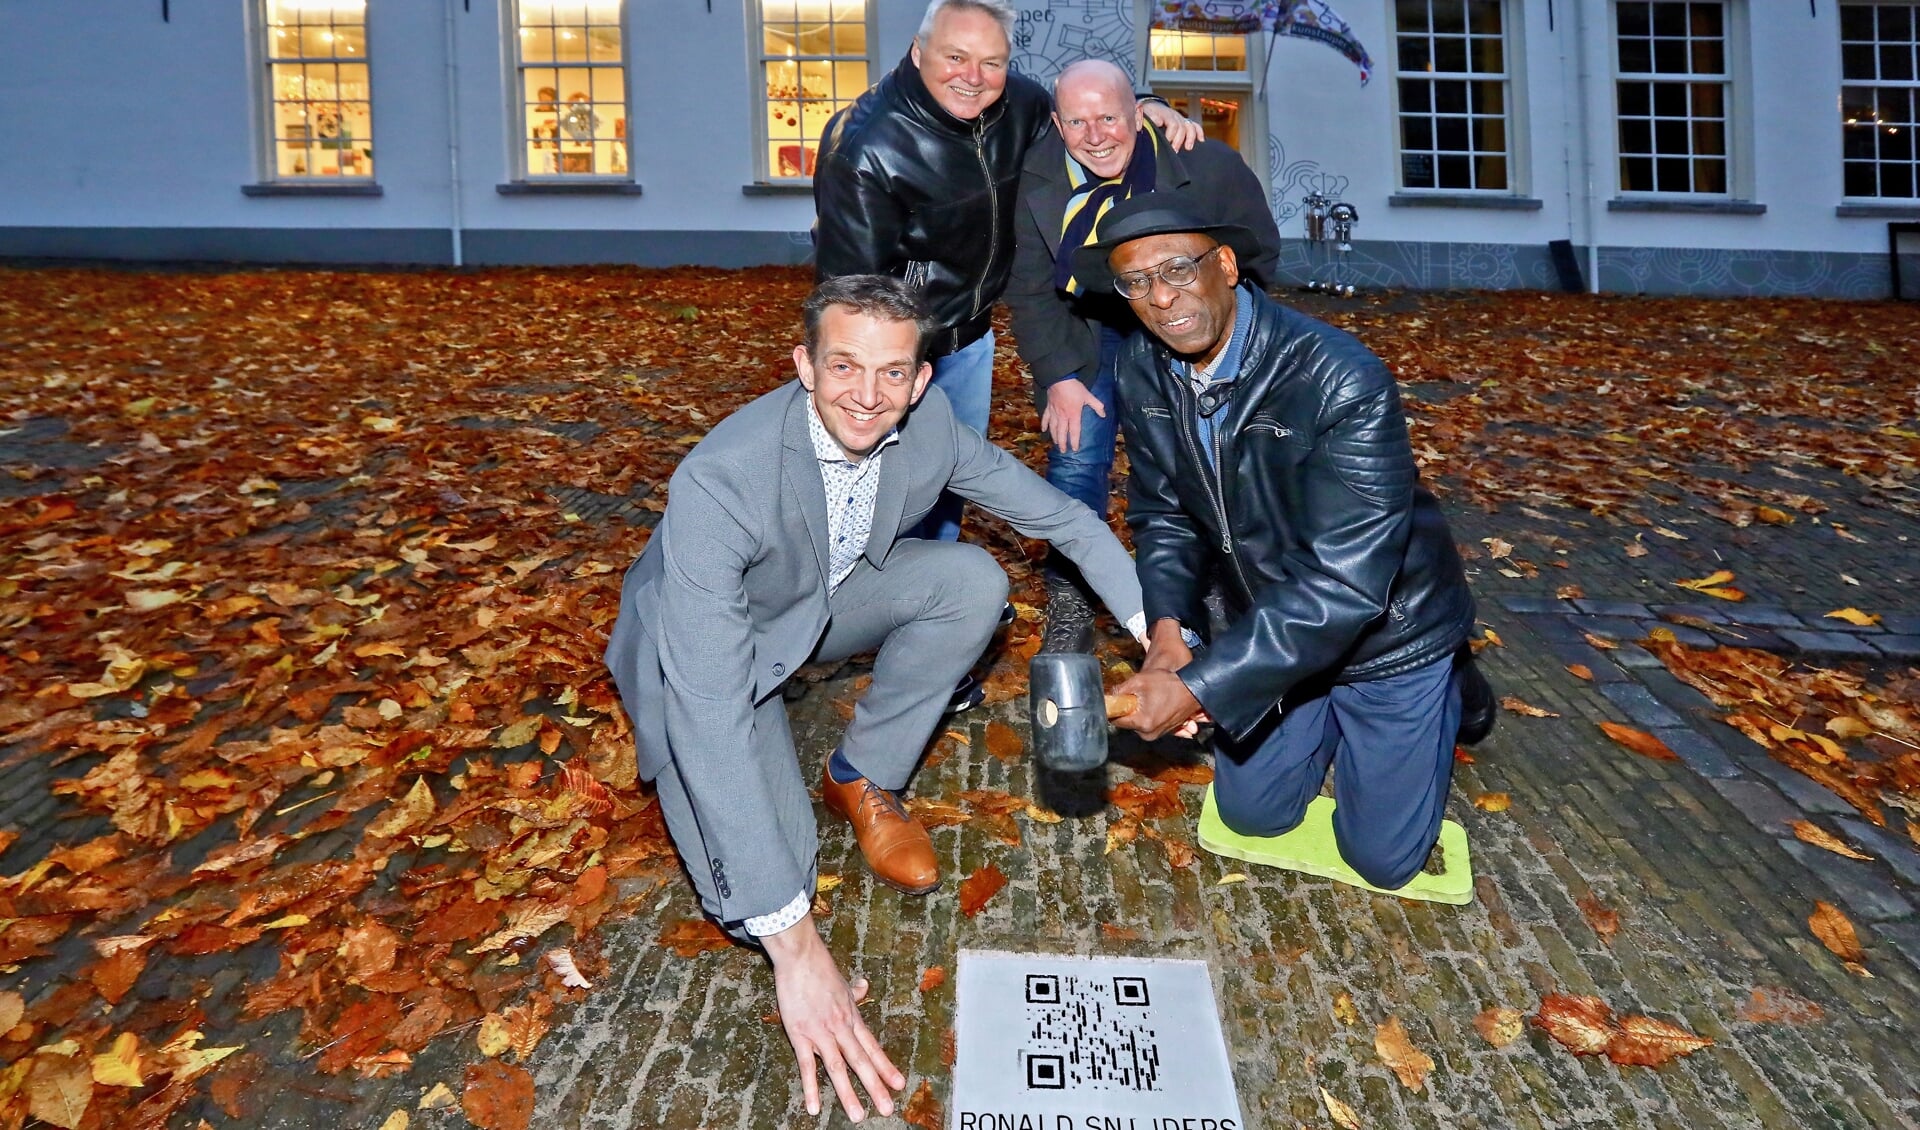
(898, 849)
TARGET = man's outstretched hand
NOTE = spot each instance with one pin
(820, 1012)
(1166, 705)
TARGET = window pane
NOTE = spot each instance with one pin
(1710, 175)
(1449, 17)
(1488, 97)
(1636, 136)
(1636, 56)
(1491, 173)
(1896, 62)
(1896, 22)
(1670, 56)
(1415, 54)
(1709, 57)
(1704, 18)
(1450, 97)
(603, 45)
(849, 80)
(1416, 133)
(1670, 19)
(1416, 95)
(1636, 174)
(850, 37)
(1636, 98)
(1669, 99)
(1635, 19)
(1709, 100)
(1671, 174)
(1416, 170)
(1857, 61)
(1452, 133)
(1897, 181)
(1483, 16)
(1450, 55)
(1488, 56)
(1710, 138)
(1861, 179)
(1856, 21)
(1456, 171)
(1410, 15)
(536, 44)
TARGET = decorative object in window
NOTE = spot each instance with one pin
(574, 46)
(320, 105)
(813, 61)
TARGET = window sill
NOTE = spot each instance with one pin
(303, 188)
(1881, 211)
(1699, 207)
(1498, 202)
(776, 188)
(568, 188)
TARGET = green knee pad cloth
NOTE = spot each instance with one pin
(1310, 849)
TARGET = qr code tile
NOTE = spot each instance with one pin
(1090, 1032)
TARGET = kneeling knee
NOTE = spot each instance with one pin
(973, 579)
(1383, 868)
(1244, 819)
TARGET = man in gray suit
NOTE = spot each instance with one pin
(782, 543)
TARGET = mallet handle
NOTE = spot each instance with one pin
(1121, 705)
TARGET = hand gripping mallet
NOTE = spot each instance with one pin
(1069, 711)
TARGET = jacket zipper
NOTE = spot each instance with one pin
(1209, 475)
(993, 205)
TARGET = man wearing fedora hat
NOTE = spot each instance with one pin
(1268, 449)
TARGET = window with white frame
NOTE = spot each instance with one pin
(1880, 99)
(571, 86)
(813, 62)
(320, 103)
(1675, 94)
(1208, 76)
(1454, 90)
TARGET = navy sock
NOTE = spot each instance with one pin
(842, 770)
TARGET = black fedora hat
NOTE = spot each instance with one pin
(1152, 213)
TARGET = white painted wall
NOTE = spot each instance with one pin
(111, 118)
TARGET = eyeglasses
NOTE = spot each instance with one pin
(1178, 271)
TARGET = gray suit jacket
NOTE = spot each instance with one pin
(730, 598)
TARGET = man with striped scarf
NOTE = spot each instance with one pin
(1103, 151)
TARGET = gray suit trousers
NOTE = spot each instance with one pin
(930, 613)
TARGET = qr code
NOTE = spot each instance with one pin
(1090, 1032)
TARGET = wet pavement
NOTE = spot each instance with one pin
(1696, 858)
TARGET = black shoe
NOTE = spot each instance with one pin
(1069, 620)
(1007, 614)
(1477, 708)
(966, 695)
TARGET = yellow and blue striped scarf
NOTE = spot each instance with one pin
(1089, 199)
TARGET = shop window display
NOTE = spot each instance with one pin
(573, 88)
(321, 108)
(813, 61)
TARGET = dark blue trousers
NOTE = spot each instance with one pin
(1390, 744)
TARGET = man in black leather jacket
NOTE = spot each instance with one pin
(916, 179)
(1269, 449)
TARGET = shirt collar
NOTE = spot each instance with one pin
(828, 450)
(1226, 363)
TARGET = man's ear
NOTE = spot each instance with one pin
(803, 362)
(921, 381)
(1059, 127)
(1229, 265)
(913, 52)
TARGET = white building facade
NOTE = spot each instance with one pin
(1665, 146)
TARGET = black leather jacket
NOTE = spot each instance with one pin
(1335, 562)
(904, 188)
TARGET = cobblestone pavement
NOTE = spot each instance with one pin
(1712, 891)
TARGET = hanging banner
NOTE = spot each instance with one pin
(1301, 19)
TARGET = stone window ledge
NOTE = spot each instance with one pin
(568, 188)
(1491, 201)
(302, 188)
(781, 188)
(1881, 211)
(1697, 207)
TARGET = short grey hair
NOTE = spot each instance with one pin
(1002, 12)
(877, 296)
(1110, 72)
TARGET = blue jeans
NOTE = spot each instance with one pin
(1390, 744)
(966, 376)
(1087, 474)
